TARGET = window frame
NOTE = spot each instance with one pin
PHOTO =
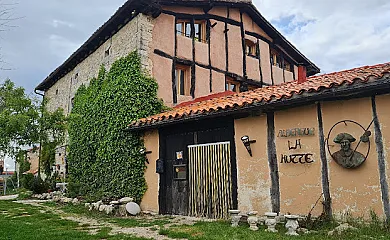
(186, 27)
(252, 52)
(276, 59)
(230, 82)
(185, 82)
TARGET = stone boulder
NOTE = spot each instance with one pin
(109, 209)
(102, 208)
(342, 228)
(133, 208)
(125, 200)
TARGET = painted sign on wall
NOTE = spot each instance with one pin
(292, 145)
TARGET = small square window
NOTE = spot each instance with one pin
(276, 59)
(180, 172)
(232, 85)
(251, 48)
(288, 66)
(183, 81)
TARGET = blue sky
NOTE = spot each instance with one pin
(334, 34)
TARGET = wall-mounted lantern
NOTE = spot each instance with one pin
(144, 152)
(247, 143)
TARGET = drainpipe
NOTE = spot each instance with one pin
(40, 139)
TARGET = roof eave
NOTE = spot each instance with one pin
(344, 91)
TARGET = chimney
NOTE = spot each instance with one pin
(301, 74)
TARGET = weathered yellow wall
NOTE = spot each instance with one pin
(383, 111)
(353, 191)
(300, 184)
(150, 199)
(254, 181)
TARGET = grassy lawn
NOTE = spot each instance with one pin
(18, 221)
(222, 230)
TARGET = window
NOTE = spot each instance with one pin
(57, 92)
(276, 60)
(288, 66)
(183, 28)
(75, 79)
(182, 78)
(71, 103)
(250, 48)
(232, 85)
(107, 52)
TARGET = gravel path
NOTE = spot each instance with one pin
(8, 197)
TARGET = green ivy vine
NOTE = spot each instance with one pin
(104, 160)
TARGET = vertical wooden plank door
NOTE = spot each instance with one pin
(210, 180)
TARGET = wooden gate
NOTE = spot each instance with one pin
(210, 180)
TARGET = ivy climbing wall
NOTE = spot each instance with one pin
(104, 159)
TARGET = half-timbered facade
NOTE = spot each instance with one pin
(192, 49)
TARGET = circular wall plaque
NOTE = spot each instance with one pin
(348, 144)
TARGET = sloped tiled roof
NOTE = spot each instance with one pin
(269, 94)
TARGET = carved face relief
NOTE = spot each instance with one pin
(348, 151)
(347, 157)
(345, 145)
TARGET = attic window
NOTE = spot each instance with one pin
(183, 28)
(288, 66)
(232, 85)
(276, 59)
(250, 48)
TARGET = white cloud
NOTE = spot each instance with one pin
(338, 34)
(58, 23)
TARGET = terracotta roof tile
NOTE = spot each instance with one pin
(267, 94)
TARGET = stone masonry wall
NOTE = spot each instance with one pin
(135, 35)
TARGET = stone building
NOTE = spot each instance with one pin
(192, 48)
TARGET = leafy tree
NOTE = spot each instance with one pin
(25, 122)
(104, 160)
(18, 119)
(51, 127)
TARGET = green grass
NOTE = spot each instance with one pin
(18, 221)
(221, 230)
